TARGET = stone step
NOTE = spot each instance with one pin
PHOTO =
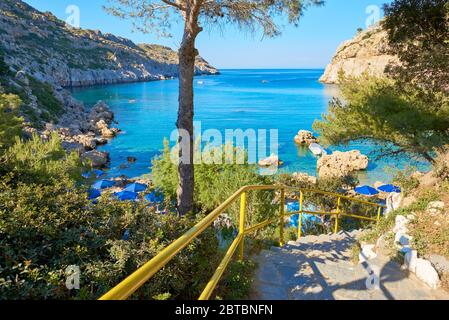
(320, 267)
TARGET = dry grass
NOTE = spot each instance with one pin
(430, 233)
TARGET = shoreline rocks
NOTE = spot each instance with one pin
(83, 132)
(340, 164)
(305, 137)
(272, 161)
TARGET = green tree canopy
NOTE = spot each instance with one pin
(409, 112)
(401, 120)
(418, 33)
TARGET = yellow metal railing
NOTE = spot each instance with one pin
(134, 281)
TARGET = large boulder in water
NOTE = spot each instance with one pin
(340, 164)
(305, 137)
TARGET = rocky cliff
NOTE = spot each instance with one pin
(367, 52)
(43, 46)
(40, 56)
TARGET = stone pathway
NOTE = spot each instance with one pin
(319, 268)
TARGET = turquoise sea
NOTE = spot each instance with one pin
(287, 100)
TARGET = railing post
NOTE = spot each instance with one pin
(242, 223)
(281, 218)
(336, 216)
(379, 210)
(301, 200)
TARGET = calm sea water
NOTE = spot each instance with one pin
(286, 100)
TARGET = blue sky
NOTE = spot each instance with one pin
(311, 45)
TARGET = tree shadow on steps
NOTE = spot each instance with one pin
(309, 283)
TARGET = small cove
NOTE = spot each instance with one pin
(286, 100)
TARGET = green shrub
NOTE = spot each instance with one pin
(10, 122)
(47, 223)
(237, 281)
(214, 183)
(4, 68)
(35, 161)
(406, 180)
(387, 222)
(45, 97)
(44, 229)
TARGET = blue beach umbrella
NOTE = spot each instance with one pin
(103, 184)
(366, 191)
(154, 198)
(94, 194)
(389, 188)
(126, 195)
(136, 187)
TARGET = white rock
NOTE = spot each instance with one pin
(98, 159)
(427, 273)
(394, 200)
(400, 224)
(435, 207)
(304, 177)
(272, 160)
(367, 253)
(305, 137)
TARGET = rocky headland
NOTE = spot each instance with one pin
(367, 52)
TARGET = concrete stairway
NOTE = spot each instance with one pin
(320, 268)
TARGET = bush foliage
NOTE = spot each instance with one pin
(10, 122)
(406, 120)
(214, 183)
(47, 223)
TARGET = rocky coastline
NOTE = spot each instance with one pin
(53, 52)
(83, 131)
(45, 57)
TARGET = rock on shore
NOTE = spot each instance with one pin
(339, 164)
(83, 131)
(272, 160)
(367, 52)
(305, 137)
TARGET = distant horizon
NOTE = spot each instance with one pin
(272, 68)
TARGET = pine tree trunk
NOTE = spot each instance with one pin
(187, 54)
